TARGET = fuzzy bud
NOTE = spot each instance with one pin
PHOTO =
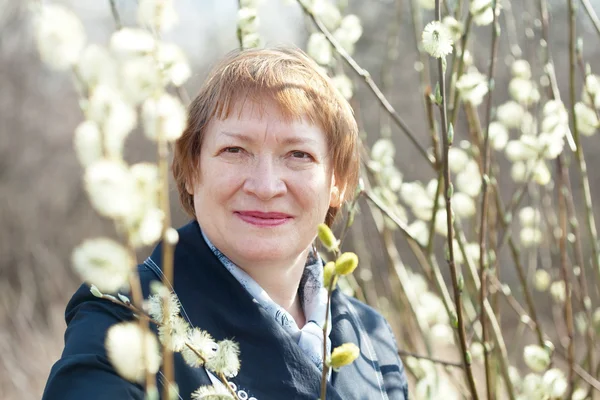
(346, 263)
(344, 355)
(328, 272)
(536, 358)
(542, 280)
(327, 237)
(127, 354)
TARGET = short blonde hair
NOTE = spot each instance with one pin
(300, 89)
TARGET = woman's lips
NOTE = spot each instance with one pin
(259, 218)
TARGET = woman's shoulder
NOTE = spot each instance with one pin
(371, 320)
(377, 342)
(84, 363)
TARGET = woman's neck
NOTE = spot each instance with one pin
(281, 282)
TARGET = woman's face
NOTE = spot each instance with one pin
(264, 185)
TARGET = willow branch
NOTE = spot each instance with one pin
(428, 263)
(424, 73)
(141, 315)
(449, 216)
(115, 13)
(489, 312)
(399, 270)
(350, 217)
(592, 14)
(568, 310)
(138, 301)
(364, 74)
(515, 253)
(584, 182)
(586, 302)
(484, 202)
(325, 371)
(458, 69)
(238, 32)
(432, 359)
(436, 153)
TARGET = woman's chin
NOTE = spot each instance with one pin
(263, 251)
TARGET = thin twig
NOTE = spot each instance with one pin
(583, 374)
(137, 312)
(325, 371)
(483, 259)
(515, 305)
(457, 70)
(427, 262)
(518, 265)
(584, 182)
(364, 74)
(115, 14)
(436, 153)
(432, 359)
(424, 73)
(167, 245)
(350, 217)
(239, 34)
(401, 225)
(586, 303)
(494, 325)
(448, 196)
(138, 300)
(592, 14)
(568, 310)
(399, 270)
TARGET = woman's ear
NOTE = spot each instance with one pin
(336, 197)
(189, 187)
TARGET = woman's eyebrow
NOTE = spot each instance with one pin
(299, 140)
(290, 140)
(239, 136)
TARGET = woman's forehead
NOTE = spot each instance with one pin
(265, 112)
(251, 126)
(284, 107)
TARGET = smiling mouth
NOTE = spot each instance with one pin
(258, 218)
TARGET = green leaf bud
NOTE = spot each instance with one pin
(327, 237)
(346, 263)
(453, 320)
(438, 94)
(95, 291)
(344, 355)
(328, 272)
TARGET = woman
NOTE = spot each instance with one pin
(270, 152)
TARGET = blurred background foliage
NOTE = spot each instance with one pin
(44, 212)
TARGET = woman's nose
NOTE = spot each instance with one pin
(264, 179)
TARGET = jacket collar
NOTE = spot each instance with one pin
(272, 361)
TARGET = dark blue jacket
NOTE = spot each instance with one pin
(272, 364)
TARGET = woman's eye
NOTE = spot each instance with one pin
(301, 155)
(232, 150)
